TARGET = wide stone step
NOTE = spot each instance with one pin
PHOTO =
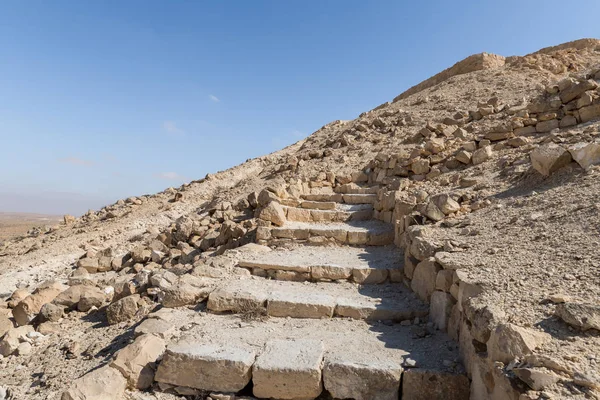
(364, 265)
(342, 198)
(391, 302)
(352, 188)
(303, 358)
(371, 233)
(339, 213)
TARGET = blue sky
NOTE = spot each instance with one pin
(107, 99)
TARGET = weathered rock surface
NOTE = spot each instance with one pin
(206, 366)
(136, 362)
(289, 369)
(101, 384)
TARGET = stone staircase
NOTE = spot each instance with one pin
(311, 320)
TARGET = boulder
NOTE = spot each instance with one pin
(16, 297)
(105, 383)
(50, 312)
(92, 297)
(71, 297)
(536, 378)
(137, 362)
(420, 166)
(481, 155)
(29, 307)
(578, 315)
(589, 113)
(574, 91)
(123, 309)
(13, 338)
(549, 158)
(183, 294)
(6, 324)
(547, 126)
(89, 264)
(586, 154)
(509, 341)
(273, 213)
(445, 203)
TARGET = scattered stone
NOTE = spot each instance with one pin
(481, 155)
(105, 383)
(11, 340)
(582, 316)
(51, 312)
(29, 307)
(586, 154)
(273, 213)
(549, 158)
(508, 341)
(536, 379)
(137, 361)
(123, 310)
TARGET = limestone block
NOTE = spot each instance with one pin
(362, 379)
(358, 237)
(30, 306)
(13, 338)
(333, 272)
(424, 277)
(216, 367)
(300, 305)
(586, 154)
(508, 341)
(289, 370)
(137, 361)
(439, 309)
(235, 299)
(367, 276)
(589, 113)
(105, 383)
(443, 280)
(549, 158)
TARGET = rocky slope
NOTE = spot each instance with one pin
(484, 176)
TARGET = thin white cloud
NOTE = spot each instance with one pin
(214, 98)
(172, 129)
(76, 161)
(172, 176)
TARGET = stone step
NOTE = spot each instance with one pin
(303, 358)
(352, 188)
(371, 233)
(391, 301)
(363, 265)
(340, 213)
(341, 198)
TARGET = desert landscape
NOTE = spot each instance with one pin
(443, 245)
(18, 224)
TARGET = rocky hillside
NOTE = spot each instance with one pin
(442, 245)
